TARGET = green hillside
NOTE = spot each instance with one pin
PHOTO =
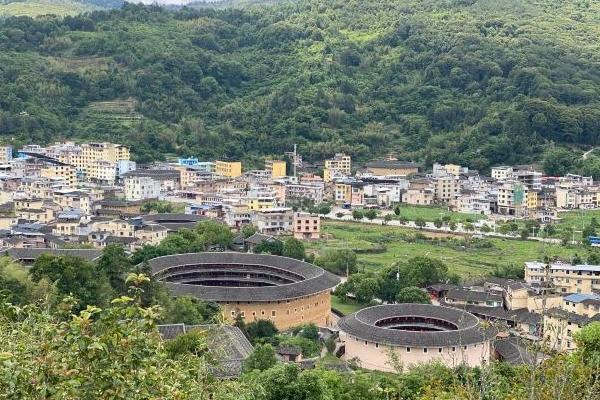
(36, 8)
(476, 82)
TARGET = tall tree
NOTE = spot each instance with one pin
(73, 276)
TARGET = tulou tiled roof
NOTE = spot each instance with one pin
(307, 279)
(34, 253)
(573, 318)
(471, 295)
(469, 330)
(515, 351)
(173, 221)
(226, 344)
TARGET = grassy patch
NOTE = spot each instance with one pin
(469, 262)
(577, 219)
(360, 36)
(345, 307)
(35, 8)
(430, 214)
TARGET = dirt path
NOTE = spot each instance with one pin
(587, 153)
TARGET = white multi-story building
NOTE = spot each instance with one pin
(102, 172)
(572, 180)
(475, 203)
(531, 179)
(273, 221)
(6, 154)
(124, 166)
(141, 187)
(313, 192)
(502, 173)
(512, 199)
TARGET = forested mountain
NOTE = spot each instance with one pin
(477, 82)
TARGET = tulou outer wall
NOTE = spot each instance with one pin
(376, 356)
(284, 314)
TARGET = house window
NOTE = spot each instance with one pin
(425, 350)
(408, 349)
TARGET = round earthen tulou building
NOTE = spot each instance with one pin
(387, 336)
(286, 291)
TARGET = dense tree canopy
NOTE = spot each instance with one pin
(73, 276)
(412, 294)
(401, 282)
(207, 235)
(475, 82)
(338, 261)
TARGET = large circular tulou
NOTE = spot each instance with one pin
(286, 291)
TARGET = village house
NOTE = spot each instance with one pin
(306, 226)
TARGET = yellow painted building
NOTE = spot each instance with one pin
(276, 167)
(562, 323)
(453, 169)
(566, 278)
(90, 153)
(115, 227)
(66, 172)
(339, 164)
(230, 169)
(532, 200)
(260, 203)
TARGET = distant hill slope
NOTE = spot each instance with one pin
(475, 82)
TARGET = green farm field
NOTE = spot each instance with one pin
(577, 219)
(463, 257)
(432, 213)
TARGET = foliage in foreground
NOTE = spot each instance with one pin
(112, 353)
